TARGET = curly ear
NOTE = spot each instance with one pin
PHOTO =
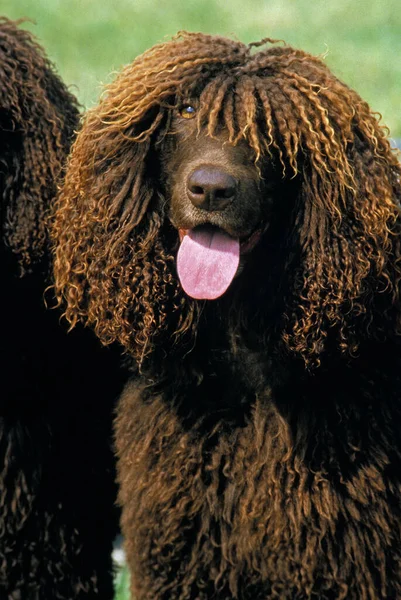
(112, 265)
(349, 233)
(37, 119)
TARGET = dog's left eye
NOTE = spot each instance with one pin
(187, 111)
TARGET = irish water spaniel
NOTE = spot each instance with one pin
(231, 215)
(57, 518)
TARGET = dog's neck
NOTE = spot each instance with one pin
(239, 348)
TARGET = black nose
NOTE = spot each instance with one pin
(211, 188)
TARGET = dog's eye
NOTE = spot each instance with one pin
(187, 111)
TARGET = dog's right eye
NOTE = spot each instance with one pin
(187, 111)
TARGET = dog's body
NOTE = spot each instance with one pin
(236, 227)
(240, 472)
(309, 509)
(57, 490)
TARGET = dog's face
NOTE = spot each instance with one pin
(219, 199)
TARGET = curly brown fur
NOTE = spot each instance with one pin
(258, 441)
(57, 520)
(37, 117)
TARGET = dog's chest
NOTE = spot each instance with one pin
(251, 500)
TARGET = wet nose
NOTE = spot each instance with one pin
(211, 188)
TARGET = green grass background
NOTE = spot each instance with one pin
(89, 40)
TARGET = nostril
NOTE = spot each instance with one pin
(196, 189)
(225, 193)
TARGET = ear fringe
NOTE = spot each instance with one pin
(351, 262)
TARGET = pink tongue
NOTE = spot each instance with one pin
(207, 262)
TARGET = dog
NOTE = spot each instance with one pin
(57, 483)
(231, 216)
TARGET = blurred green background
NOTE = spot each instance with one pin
(89, 40)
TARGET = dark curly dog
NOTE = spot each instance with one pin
(56, 482)
(232, 217)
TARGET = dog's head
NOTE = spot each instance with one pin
(37, 118)
(212, 170)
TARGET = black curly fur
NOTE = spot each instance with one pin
(57, 519)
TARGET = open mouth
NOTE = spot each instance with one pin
(208, 260)
(247, 243)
